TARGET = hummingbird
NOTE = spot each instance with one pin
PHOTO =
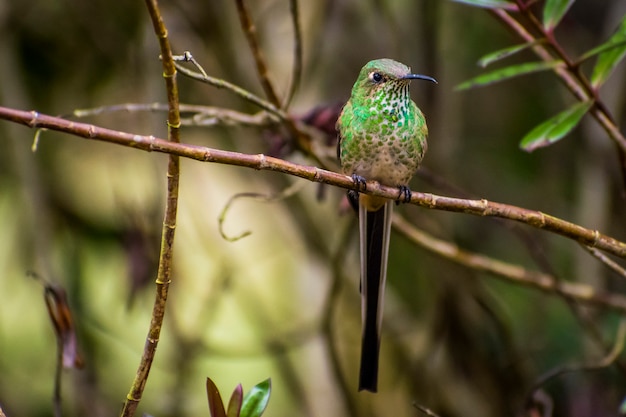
(382, 137)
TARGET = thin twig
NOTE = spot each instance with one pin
(296, 72)
(248, 28)
(425, 410)
(201, 115)
(265, 198)
(482, 207)
(607, 261)
(302, 140)
(582, 293)
(219, 83)
(164, 275)
(187, 57)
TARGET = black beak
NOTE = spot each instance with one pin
(419, 77)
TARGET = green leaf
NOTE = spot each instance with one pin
(508, 72)
(216, 407)
(622, 407)
(490, 4)
(234, 405)
(503, 53)
(555, 128)
(606, 46)
(608, 60)
(553, 12)
(256, 400)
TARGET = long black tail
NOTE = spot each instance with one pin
(375, 229)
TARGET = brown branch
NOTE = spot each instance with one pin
(248, 27)
(572, 78)
(265, 198)
(296, 71)
(200, 115)
(610, 263)
(572, 67)
(537, 219)
(581, 293)
(302, 140)
(164, 271)
(219, 83)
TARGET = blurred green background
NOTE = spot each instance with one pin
(87, 216)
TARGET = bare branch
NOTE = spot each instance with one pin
(265, 198)
(537, 219)
(248, 27)
(296, 72)
(614, 266)
(201, 115)
(219, 83)
(302, 140)
(169, 222)
(509, 272)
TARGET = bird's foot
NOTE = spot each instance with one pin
(404, 195)
(360, 182)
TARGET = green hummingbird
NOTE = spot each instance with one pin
(382, 137)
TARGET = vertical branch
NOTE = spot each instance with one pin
(261, 66)
(302, 139)
(296, 72)
(169, 222)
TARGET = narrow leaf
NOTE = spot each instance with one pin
(216, 407)
(606, 46)
(553, 12)
(555, 128)
(255, 401)
(607, 61)
(234, 405)
(508, 72)
(503, 53)
(490, 4)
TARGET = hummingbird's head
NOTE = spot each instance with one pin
(384, 76)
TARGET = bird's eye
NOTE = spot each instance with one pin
(376, 77)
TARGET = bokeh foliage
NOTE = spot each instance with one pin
(87, 216)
